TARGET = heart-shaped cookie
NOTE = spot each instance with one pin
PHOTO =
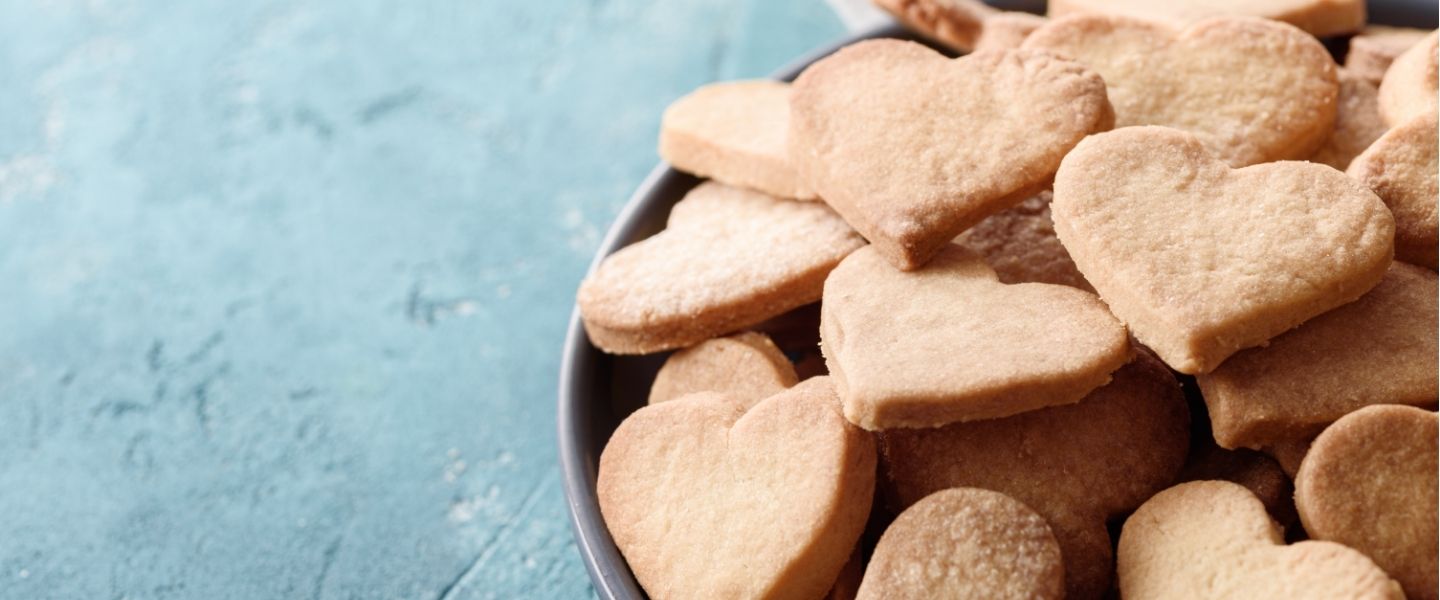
(729, 258)
(1251, 90)
(1380, 349)
(734, 132)
(966, 543)
(1369, 482)
(1408, 89)
(1077, 466)
(949, 342)
(1020, 244)
(707, 500)
(746, 366)
(1202, 260)
(912, 147)
(1317, 17)
(1212, 539)
(964, 25)
(1402, 169)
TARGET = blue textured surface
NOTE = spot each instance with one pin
(285, 283)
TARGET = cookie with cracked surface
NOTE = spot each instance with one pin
(966, 543)
(1077, 466)
(1250, 90)
(1369, 482)
(913, 148)
(891, 338)
(728, 258)
(1212, 539)
(746, 366)
(1289, 391)
(776, 496)
(734, 132)
(1401, 167)
(1202, 260)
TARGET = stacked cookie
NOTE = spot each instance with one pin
(1161, 269)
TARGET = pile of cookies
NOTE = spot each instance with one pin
(1139, 298)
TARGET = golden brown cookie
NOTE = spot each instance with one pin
(1020, 244)
(734, 132)
(1401, 167)
(1212, 539)
(1077, 466)
(1328, 367)
(1320, 18)
(1251, 90)
(707, 500)
(1289, 453)
(1202, 260)
(1369, 482)
(847, 585)
(1357, 123)
(963, 25)
(912, 148)
(1408, 89)
(746, 366)
(1373, 49)
(966, 543)
(728, 259)
(949, 342)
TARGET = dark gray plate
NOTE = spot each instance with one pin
(598, 390)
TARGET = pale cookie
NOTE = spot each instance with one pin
(1401, 167)
(1409, 87)
(1251, 90)
(1357, 123)
(1212, 539)
(1077, 466)
(912, 148)
(1020, 244)
(1202, 260)
(707, 500)
(1380, 349)
(734, 132)
(745, 366)
(966, 543)
(1369, 482)
(1320, 18)
(1374, 49)
(949, 342)
(963, 25)
(728, 259)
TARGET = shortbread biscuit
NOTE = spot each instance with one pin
(966, 543)
(1321, 18)
(912, 148)
(707, 500)
(1020, 244)
(1251, 90)
(1357, 123)
(1401, 167)
(1332, 365)
(735, 133)
(950, 343)
(728, 259)
(1369, 482)
(746, 366)
(1373, 49)
(1257, 472)
(1289, 453)
(1076, 465)
(1409, 87)
(1202, 260)
(963, 25)
(1212, 539)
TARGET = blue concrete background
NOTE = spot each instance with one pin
(284, 283)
